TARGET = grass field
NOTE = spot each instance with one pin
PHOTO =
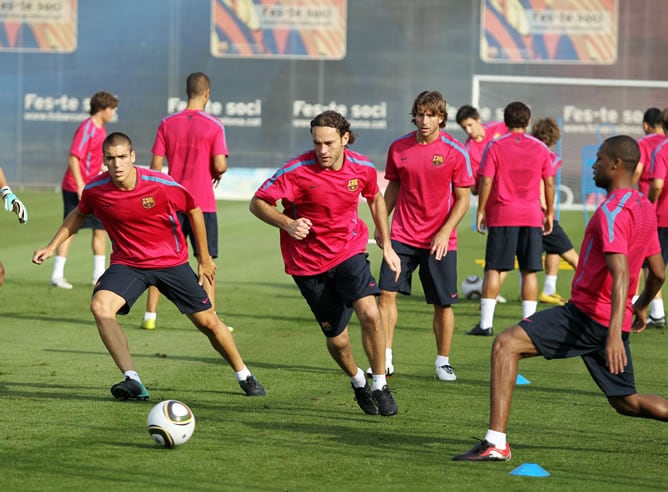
(62, 430)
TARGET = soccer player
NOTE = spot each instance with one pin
(323, 242)
(557, 244)
(509, 208)
(12, 204)
(138, 208)
(430, 179)
(193, 141)
(479, 135)
(658, 195)
(596, 322)
(84, 163)
(654, 137)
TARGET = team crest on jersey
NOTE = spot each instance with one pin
(437, 160)
(353, 184)
(148, 202)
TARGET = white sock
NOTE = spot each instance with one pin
(487, 307)
(550, 285)
(59, 267)
(148, 315)
(379, 381)
(528, 308)
(243, 374)
(442, 360)
(359, 379)
(99, 264)
(498, 439)
(656, 310)
(388, 357)
(132, 375)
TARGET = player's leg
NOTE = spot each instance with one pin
(70, 202)
(387, 304)
(641, 405)
(151, 312)
(529, 258)
(99, 246)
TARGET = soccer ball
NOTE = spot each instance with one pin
(171, 423)
(472, 287)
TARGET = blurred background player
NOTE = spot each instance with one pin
(510, 211)
(479, 135)
(430, 177)
(655, 135)
(12, 204)
(557, 244)
(658, 195)
(323, 243)
(84, 163)
(193, 141)
(596, 323)
(138, 207)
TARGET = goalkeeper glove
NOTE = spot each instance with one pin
(13, 204)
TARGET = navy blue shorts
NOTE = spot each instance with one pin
(506, 243)
(557, 242)
(663, 240)
(331, 294)
(211, 225)
(438, 278)
(70, 202)
(178, 284)
(565, 331)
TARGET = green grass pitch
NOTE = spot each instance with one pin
(61, 429)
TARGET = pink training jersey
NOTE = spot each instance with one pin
(330, 199)
(427, 175)
(624, 223)
(659, 170)
(87, 147)
(142, 223)
(493, 129)
(517, 163)
(647, 145)
(190, 139)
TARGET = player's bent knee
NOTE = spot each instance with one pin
(625, 405)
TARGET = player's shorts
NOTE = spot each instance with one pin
(663, 241)
(438, 278)
(566, 331)
(504, 243)
(211, 225)
(557, 242)
(331, 294)
(70, 202)
(179, 284)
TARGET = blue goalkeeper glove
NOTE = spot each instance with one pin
(13, 204)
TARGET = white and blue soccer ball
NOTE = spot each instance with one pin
(171, 423)
(472, 287)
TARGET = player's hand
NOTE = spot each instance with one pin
(548, 223)
(615, 354)
(206, 270)
(392, 259)
(481, 223)
(639, 320)
(378, 237)
(40, 255)
(299, 228)
(439, 245)
(13, 204)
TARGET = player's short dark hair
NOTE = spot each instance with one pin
(623, 147)
(432, 101)
(516, 115)
(653, 117)
(465, 112)
(116, 138)
(197, 84)
(332, 119)
(547, 131)
(102, 100)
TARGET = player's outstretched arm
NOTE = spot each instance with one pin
(12, 202)
(69, 227)
(655, 278)
(206, 268)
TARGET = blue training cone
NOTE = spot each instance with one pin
(522, 380)
(530, 470)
